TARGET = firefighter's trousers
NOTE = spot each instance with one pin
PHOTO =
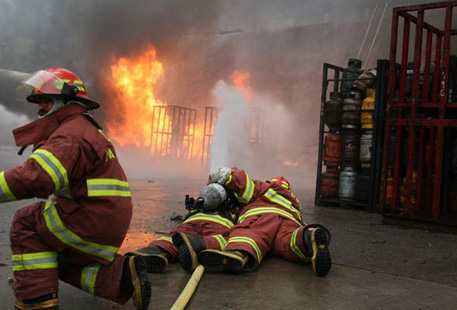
(212, 227)
(268, 232)
(40, 259)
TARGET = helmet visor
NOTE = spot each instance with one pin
(40, 83)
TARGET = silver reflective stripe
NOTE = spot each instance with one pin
(65, 235)
(88, 278)
(34, 261)
(108, 187)
(53, 167)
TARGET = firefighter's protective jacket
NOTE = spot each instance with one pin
(74, 160)
(257, 197)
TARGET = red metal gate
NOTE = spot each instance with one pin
(420, 113)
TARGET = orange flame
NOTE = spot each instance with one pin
(134, 82)
(242, 80)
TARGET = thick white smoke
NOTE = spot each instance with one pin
(254, 135)
(231, 135)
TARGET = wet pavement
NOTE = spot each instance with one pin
(375, 266)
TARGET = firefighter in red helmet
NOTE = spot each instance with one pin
(75, 234)
(269, 221)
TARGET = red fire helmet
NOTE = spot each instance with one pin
(55, 82)
(281, 181)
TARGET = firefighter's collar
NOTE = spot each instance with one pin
(39, 130)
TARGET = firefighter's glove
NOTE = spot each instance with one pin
(220, 176)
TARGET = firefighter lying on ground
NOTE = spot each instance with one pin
(210, 217)
(75, 235)
(269, 220)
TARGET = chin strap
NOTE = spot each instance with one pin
(21, 150)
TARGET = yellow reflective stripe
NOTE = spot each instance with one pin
(257, 211)
(104, 135)
(229, 179)
(295, 248)
(221, 240)
(5, 193)
(168, 239)
(88, 277)
(59, 83)
(79, 85)
(58, 229)
(109, 155)
(34, 261)
(273, 196)
(212, 218)
(108, 187)
(248, 191)
(53, 168)
(251, 242)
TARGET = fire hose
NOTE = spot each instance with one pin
(189, 290)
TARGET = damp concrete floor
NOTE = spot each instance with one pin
(375, 266)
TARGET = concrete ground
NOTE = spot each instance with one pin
(375, 266)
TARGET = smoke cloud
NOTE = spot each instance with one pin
(283, 44)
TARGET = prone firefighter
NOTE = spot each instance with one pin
(211, 217)
(74, 235)
(270, 220)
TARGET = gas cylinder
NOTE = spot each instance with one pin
(366, 116)
(348, 177)
(363, 185)
(332, 109)
(350, 148)
(350, 74)
(330, 182)
(366, 142)
(332, 149)
(365, 80)
(350, 117)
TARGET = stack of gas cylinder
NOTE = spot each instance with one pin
(347, 144)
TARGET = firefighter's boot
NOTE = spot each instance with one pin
(135, 278)
(156, 259)
(46, 302)
(189, 247)
(316, 242)
(233, 261)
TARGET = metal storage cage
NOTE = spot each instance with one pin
(419, 161)
(332, 81)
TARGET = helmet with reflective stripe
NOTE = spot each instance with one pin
(281, 181)
(55, 82)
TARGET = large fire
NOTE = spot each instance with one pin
(134, 81)
(137, 117)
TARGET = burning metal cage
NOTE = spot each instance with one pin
(173, 131)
